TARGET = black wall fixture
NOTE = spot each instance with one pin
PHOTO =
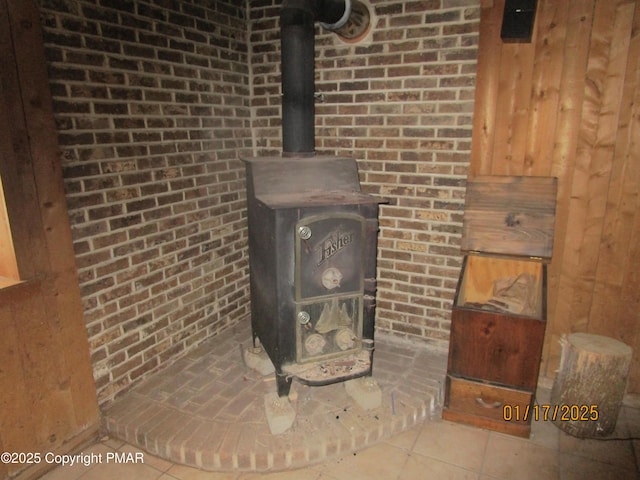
(517, 22)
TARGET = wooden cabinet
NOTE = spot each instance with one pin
(499, 312)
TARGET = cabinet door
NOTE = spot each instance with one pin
(494, 347)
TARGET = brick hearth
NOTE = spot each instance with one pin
(207, 409)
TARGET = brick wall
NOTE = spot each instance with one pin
(152, 105)
(401, 103)
(156, 100)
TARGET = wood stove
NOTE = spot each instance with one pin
(312, 232)
(312, 248)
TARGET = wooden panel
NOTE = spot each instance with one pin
(4, 468)
(617, 278)
(579, 96)
(17, 423)
(596, 146)
(494, 347)
(36, 412)
(575, 57)
(15, 161)
(32, 367)
(629, 307)
(591, 182)
(510, 216)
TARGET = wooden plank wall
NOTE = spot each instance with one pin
(47, 393)
(568, 105)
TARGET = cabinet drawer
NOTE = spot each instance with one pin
(489, 401)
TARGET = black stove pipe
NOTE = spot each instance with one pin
(297, 38)
(298, 71)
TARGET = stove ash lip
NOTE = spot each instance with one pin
(297, 40)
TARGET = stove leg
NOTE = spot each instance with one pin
(284, 384)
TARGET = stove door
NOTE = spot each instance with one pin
(329, 259)
(329, 283)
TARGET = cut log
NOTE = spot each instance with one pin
(590, 384)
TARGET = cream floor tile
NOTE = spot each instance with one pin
(573, 467)
(76, 471)
(112, 443)
(613, 452)
(65, 473)
(303, 474)
(545, 433)
(121, 471)
(380, 462)
(511, 458)
(405, 440)
(453, 443)
(543, 396)
(182, 472)
(424, 468)
(630, 417)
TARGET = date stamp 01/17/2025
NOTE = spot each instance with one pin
(561, 413)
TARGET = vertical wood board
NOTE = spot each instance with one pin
(547, 76)
(575, 59)
(514, 95)
(489, 59)
(603, 88)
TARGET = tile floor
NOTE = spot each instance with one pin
(435, 450)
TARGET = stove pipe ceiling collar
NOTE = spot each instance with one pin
(297, 38)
